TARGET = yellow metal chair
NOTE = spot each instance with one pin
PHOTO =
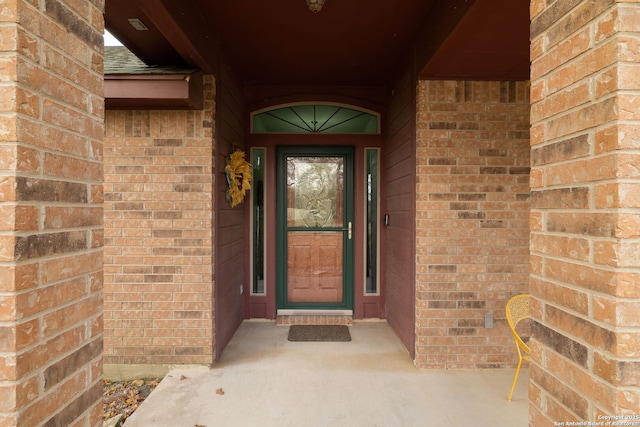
(518, 309)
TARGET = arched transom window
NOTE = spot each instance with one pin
(315, 118)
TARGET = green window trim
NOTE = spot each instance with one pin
(315, 118)
(282, 227)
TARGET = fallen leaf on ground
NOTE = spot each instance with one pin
(220, 392)
(199, 425)
(182, 377)
(123, 398)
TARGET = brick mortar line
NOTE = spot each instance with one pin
(53, 309)
(44, 340)
(563, 115)
(44, 95)
(587, 156)
(587, 292)
(46, 150)
(47, 43)
(27, 233)
(589, 319)
(51, 125)
(43, 393)
(582, 212)
(582, 263)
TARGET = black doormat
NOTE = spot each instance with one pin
(319, 333)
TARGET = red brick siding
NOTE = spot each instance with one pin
(158, 236)
(585, 266)
(472, 219)
(51, 122)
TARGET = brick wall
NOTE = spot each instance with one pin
(158, 236)
(585, 261)
(472, 219)
(51, 129)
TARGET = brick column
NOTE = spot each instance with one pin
(51, 130)
(585, 179)
(472, 211)
(158, 232)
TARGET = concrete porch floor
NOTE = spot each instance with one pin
(370, 381)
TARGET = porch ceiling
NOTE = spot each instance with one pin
(348, 43)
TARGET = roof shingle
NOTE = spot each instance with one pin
(120, 60)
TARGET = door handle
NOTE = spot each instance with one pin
(349, 230)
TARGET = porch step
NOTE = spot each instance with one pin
(312, 317)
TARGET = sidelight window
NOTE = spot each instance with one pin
(372, 214)
(258, 241)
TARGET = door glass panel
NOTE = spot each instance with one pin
(315, 235)
(315, 191)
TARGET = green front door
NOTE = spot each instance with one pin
(315, 228)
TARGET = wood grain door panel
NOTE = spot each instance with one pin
(314, 266)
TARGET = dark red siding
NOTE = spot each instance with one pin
(400, 181)
(229, 229)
